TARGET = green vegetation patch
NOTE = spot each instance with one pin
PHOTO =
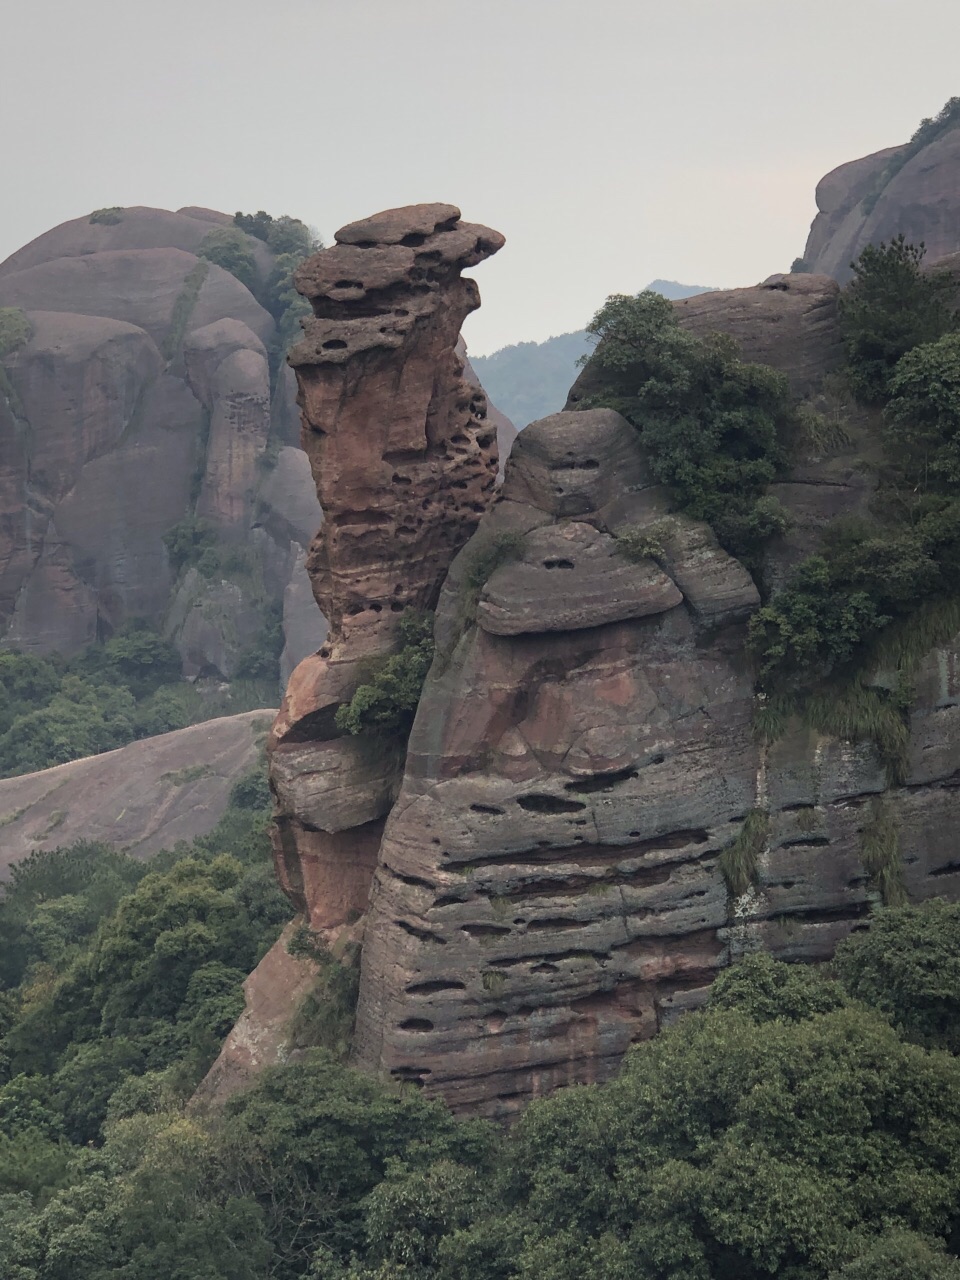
(386, 703)
(880, 852)
(183, 309)
(229, 248)
(108, 216)
(717, 430)
(890, 307)
(740, 858)
(15, 330)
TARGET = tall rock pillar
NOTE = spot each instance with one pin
(405, 462)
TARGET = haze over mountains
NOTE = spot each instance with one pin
(528, 380)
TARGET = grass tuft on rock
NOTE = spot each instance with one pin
(880, 852)
(740, 858)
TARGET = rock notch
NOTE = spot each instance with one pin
(405, 462)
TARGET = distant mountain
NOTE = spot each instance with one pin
(530, 380)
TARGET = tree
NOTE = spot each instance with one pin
(923, 413)
(717, 429)
(901, 1255)
(227, 247)
(890, 307)
(906, 965)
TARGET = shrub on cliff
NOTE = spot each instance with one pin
(890, 307)
(227, 247)
(923, 414)
(14, 330)
(717, 429)
(386, 703)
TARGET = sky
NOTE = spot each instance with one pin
(611, 141)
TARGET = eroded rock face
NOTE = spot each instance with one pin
(548, 889)
(143, 397)
(922, 200)
(405, 462)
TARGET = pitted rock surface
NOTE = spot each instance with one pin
(569, 577)
(547, 889)
(405, 463)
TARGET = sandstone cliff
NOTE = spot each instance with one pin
(547, 887)
(142, 398)
(909, 189)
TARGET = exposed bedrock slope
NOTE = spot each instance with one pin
(143, 398)
(857, 207)
(548, 888)
(405, 463)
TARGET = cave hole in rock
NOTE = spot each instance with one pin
(559, 564)
(422, 935)
(348, 284)
(365, 244)
(413, 240)
(449, 900)
(601, 781)
(416, 1024)
(435, 986)
(396, 478)
(486, 808)
(948, 868)
(557, 925)
(334, 344)
(542, 803)
(485, 930)
(411, 1075)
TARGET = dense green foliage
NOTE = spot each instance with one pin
(110, 969)
(229, 248)
(907, 966)
(890, 307)
(927, 131)
(291, 241)
(717, 430)
(52, 711)
(386, 702)
(787, 1131)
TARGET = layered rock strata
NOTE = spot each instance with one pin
(405, 463)
(548, 888)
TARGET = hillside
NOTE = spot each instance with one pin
(530, 380)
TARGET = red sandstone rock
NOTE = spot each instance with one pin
(405, 463)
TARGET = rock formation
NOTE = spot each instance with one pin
(142, 397)
(548, 889)
(405, 463)
(859, 206)
(142, 798)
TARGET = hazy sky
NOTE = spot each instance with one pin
(612, 141)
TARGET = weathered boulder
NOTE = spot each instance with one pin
(405, 462)
(142, 399)
(141, 798)
(858, 207)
